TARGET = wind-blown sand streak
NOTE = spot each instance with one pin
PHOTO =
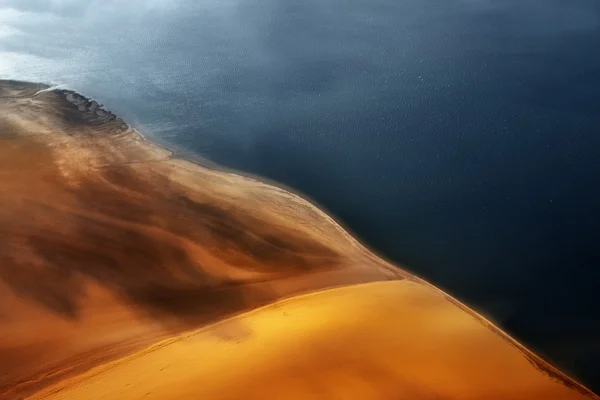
(109, 243)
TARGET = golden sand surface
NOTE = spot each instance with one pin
(110, 244)
(383, 340)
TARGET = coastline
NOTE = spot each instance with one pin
(386, 267)
(188, 156)
(544, 365)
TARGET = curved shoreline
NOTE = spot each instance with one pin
(387, 267)
(540, 363)
(186, 155)
(544, 365)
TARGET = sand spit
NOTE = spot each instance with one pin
(110, 244)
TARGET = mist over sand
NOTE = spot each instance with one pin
(110, 244)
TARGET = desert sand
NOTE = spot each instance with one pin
(127, 272)
(400, 341)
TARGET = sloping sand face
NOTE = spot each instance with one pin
(392, 340)
(109, 244)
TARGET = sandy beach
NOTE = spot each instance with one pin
(127, 272)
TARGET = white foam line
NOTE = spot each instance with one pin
(61, 86)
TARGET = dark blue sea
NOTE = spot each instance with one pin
(460, 138)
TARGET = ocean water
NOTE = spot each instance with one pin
(460, 138)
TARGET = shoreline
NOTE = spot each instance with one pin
(543, 365)
(175, 152)
(539, 362)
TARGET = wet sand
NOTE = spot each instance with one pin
(110, 243)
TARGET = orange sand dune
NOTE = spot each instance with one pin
(392, 340)
(109, 244)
